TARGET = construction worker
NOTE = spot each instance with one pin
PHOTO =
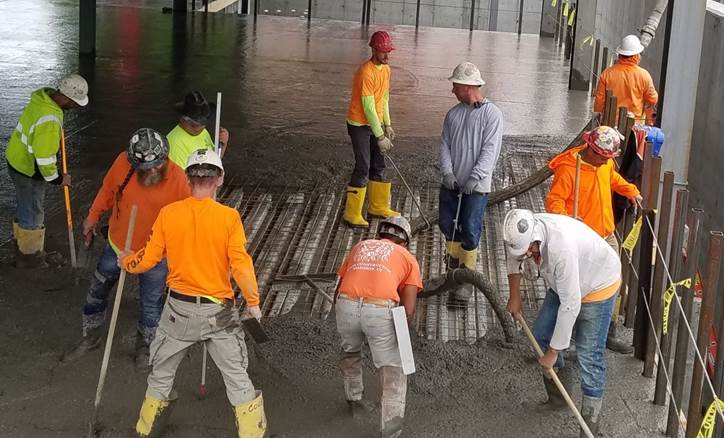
(597, 179)
(370, 128)
(31, 155)
(203, 242)
(631, 84)
(471, 139)
(142, 176)
(582, 274)
(377, 275)
(190, 134)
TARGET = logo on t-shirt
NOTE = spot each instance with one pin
(374, 251)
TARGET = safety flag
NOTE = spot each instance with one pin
(571, 18)
(708, 424)
(565, 9)
(669, 297)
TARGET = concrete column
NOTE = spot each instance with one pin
(582, 63)
(87, 28)
(548, 19)
(682, 79)
(180, 6)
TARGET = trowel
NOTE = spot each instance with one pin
(255, 329)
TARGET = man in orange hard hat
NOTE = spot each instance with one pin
(370, 128)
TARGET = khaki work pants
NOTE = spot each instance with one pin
(182, 325)
(611, 240)
(357, 322)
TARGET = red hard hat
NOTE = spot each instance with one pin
(381, 41)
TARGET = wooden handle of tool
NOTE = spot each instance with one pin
(554, 376)
(114, 315)
(66, 194)
(577, 189)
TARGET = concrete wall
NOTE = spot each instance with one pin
(706, 177)
(500, 15)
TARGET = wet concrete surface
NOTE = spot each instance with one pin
(285, 90)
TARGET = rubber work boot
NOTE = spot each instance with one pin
(153, 417)
(453, 254)
(29, 248)
(394, 390)
(460, 296)
(353, 207)
(90, 341)
(590, 411)
(359, 409)
(250, 418)
(617, 345)
(380, 198)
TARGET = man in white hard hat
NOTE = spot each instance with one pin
(204, 244)
(32, 163)
(472, 135)
(631, 84)
(582, 274)
(377, 275)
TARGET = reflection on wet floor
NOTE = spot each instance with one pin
(277, 75)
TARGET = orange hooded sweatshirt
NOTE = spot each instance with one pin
(596, 183)
(632, 85)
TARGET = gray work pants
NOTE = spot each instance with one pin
(368, 160)
(184, 324)
(357, 322)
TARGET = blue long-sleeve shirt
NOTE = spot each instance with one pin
(471, 141)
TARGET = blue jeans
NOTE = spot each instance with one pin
(470, 221)
(29, 195)
(152, 285)
(591, 331)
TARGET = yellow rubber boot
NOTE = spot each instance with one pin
(468, 259)
(453, 254)
(353, 207)
(29, 248)
(16, 227)
(153, 417)
(250, 418)
(380, 198)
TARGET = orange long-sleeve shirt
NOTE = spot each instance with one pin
(631, 84)
(149, 200)
(202, 241)
(596, 183)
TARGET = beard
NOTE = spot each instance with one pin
(148, 178)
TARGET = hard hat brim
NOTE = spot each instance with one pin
(620, 51)
(465, 82)
(81, 102)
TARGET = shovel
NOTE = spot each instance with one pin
(91, 431)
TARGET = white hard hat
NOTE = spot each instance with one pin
(75, 88)
(200, 157)
(466, 74)
(630, 45)
(518, 230)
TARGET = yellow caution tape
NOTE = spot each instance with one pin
(633, 236)
(708, 424)
(554, 3)
(669, 297)
(571, 18)
(565, 9)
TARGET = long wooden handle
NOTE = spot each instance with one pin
(217, 126)
(554, 376)
(577, 189)
(114, 316)
(66, 194)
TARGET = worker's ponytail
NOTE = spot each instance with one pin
(119, 192)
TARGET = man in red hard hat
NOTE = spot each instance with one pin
(370, 128)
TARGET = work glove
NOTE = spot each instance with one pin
(223, 140)
(389, 132)
(449, 181)
(384, 143)
(470, 186)
(251, 312)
